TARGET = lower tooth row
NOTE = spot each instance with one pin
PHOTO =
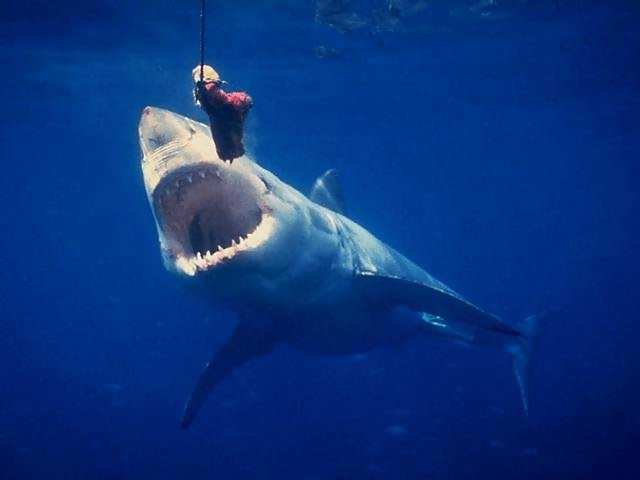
(208, 256)
(208, 259)
(203, 262)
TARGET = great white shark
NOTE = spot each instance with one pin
(295, 268)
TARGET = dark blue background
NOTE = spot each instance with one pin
(502, 156)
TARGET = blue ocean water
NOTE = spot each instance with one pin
(495, 143)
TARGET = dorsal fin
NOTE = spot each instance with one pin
(326, 191)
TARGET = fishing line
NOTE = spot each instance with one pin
(202, 23)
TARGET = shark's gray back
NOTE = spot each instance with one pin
(374, 256)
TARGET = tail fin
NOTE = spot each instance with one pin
(522, 351)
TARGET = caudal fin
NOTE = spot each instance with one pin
(522, 351)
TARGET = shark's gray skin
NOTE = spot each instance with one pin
(295, 268)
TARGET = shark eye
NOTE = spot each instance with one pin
(266, 184)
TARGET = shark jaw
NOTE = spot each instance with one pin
(209, 213)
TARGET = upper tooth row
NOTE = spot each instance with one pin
(189, 178)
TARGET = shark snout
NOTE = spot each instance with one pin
(160, 127)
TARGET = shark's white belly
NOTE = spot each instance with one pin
(348, 329)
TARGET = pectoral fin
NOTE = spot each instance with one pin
(245, 343)
(430, 299)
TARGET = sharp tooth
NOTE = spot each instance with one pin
(199, 256)
(220, 249)
(233, 242)
(189, 178)
(208, 253)
(202, 175)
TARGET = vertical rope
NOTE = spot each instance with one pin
(202, 23)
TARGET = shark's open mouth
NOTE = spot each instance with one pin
(208, 215)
